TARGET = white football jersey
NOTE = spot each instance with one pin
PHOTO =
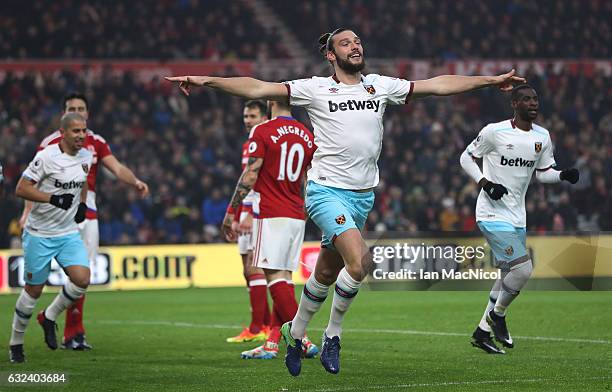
(509, 157)
(57, 173)
(348, 125)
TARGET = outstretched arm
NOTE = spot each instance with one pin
(455, 84)
(124, 174)
(245, 184)
(242, 86)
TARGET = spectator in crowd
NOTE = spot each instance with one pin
(185, 150)
(185, 29)
(455, 29)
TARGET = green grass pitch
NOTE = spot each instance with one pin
(174, 340)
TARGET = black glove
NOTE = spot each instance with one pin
(570, 175)
(494, 191)
(80, 215)
(62, 201)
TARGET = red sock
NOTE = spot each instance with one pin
(259, 301)
(275, 324)
(74, 319)
(275, 319)
(267, 316)
(283, 295)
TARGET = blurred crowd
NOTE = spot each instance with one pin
(188, 151)
(217, 29)
(182, 29)
(455, 29)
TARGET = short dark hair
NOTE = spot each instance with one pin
(69, 118)
(257, 104)
(75, 96)
(325, 40)
(514, 94)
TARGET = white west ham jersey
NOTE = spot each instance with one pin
(57, 173)
(348, 125)
(509, 157)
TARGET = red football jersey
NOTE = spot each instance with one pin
(94, 143)
(245, 154)
(286, 146)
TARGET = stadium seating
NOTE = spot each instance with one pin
(210, 29)
(217, 29)
(188, 151)
(451, 29)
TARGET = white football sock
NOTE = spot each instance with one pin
(344, 294)
(493, 295)
(312, 299)
(66, 297)
(23, 312)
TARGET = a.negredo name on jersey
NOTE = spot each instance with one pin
(285, 130)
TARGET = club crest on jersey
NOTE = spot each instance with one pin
(509, 251)
(340, 219)
(85, 168)
(333, 90)
(370, 89)
(538, 146)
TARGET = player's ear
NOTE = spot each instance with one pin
(330, 55)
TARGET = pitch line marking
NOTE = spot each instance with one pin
(350, 330)
(452, 383)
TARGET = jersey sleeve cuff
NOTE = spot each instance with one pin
(288, 91)
(544, 169)
(409, 92)
(29, 177)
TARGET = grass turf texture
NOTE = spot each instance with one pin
(174, 340)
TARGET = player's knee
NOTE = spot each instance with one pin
(34, 291)
(356, 271)
(523, 271)
(327, 275)
(517, 277)
(81, 281)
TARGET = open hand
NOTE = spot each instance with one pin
(506, 82)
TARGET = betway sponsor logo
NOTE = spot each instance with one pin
(516, 162)
(353, 104)
(68, 185)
